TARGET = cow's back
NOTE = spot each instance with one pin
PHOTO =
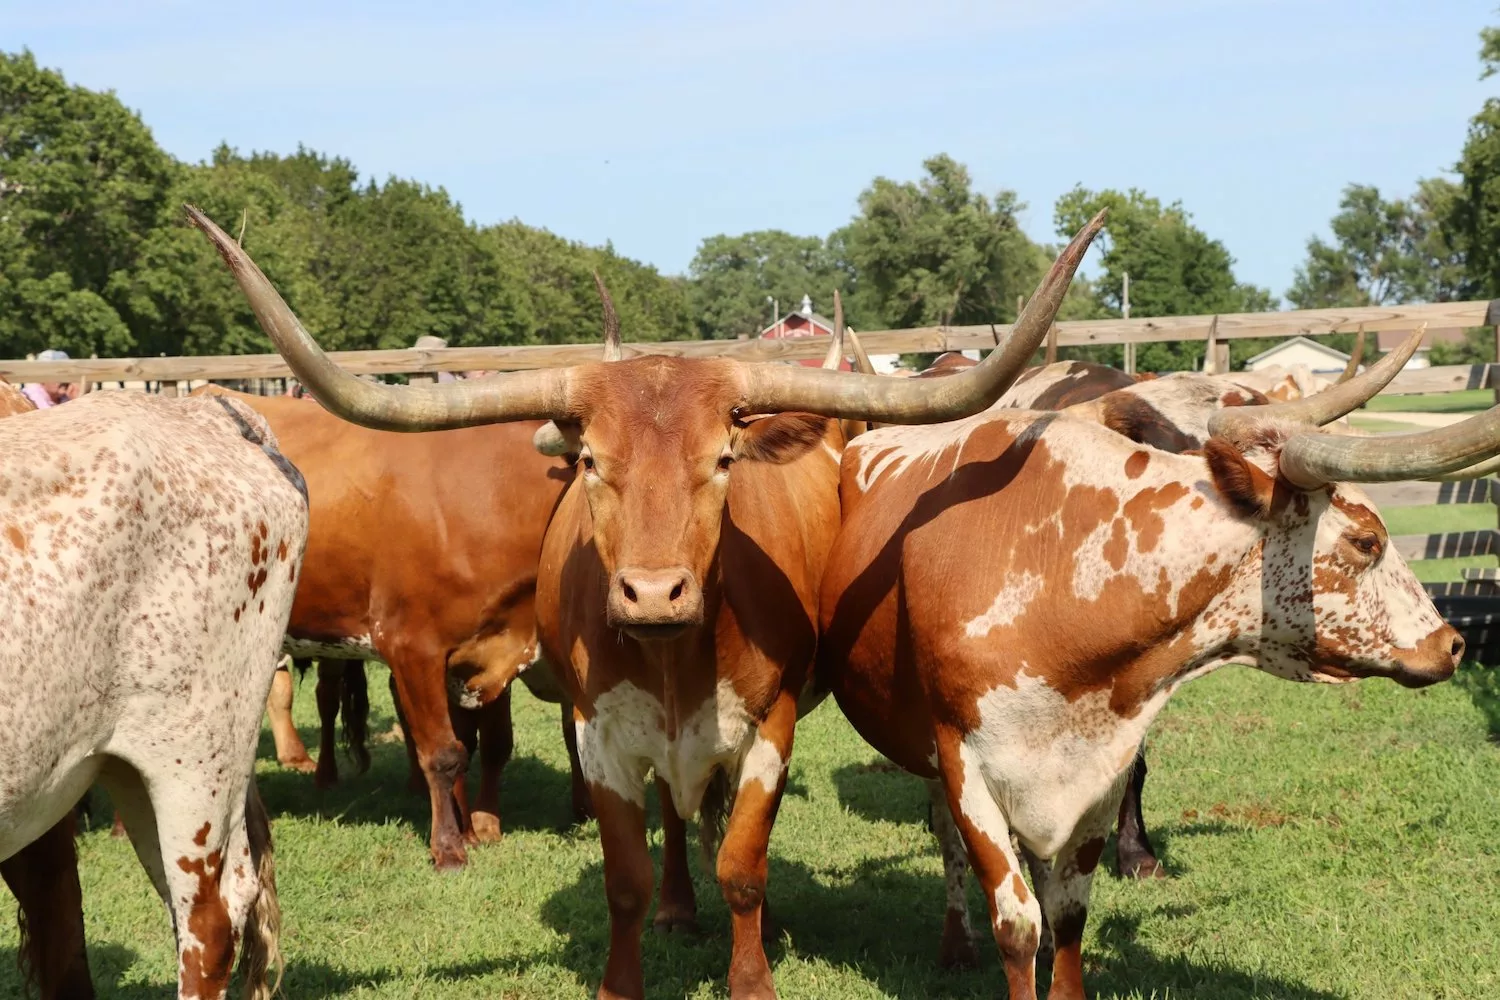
(126, 526)
(433, 537)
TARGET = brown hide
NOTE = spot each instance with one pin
(12, 400)
(428, 545)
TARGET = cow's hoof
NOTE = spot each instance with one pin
(302, 765)
(674, 920)
(1143, 867)
(450, 859)
(325, 778)
(486, 827)
(958, 952)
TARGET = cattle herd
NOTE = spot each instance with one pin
(687, 555)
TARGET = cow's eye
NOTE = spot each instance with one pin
(725, 461)
(1368, 543)
(587, 461)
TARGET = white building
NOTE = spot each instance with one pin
(1318, 358)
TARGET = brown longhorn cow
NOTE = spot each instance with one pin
(976, 674)
(678, 586)
(422, 552)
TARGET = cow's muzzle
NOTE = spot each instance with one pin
(1434, 659)
(655, 604)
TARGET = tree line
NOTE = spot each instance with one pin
(95, 256)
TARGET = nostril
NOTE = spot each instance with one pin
(629, 592)
(1458, 646)
(676, 592)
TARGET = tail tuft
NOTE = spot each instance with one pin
(260, 946)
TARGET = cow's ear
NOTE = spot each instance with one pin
(1242, 483)
(557, 437)
(778, 439)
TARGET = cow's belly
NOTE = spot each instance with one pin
(349, 648)
(30, 803)
(1047, 761)
(627, 735)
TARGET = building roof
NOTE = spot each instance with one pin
(1389, 340)
(816, 319)
(1333, 355)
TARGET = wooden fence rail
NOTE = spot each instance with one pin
(1306, 322)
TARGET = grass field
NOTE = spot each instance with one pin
(1460, 401)
(1327, 842)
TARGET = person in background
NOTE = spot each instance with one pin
(46, 394)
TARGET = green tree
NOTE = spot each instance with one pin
(1383, 251)
(1474, 214)
(733, 276)
(82, 184)
(932, 251)
(1175, 270)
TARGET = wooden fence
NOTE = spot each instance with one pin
(1229, 326)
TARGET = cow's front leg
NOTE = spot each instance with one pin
(620, 803)
(742, 865)
(676, 907)
(1015, 915)
(423, 696)
(1063, 888)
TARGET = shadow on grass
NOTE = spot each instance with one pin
(109, 964)
(881, 921)
(1482, 685)
(881, 792)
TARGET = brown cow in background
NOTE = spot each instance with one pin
(422, 552)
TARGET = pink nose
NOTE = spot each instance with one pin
(655, 602)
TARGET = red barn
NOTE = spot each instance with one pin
(803, 323)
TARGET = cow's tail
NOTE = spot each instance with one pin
(713, 817)
(354, 705)
(260, 946)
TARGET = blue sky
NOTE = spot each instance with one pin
(654, 124)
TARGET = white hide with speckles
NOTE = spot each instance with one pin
(361, 647)
(1038, 764)
(980, 807)
(148, 552)
(627, 736)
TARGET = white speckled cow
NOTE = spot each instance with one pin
(149, 550)
(1013, 597)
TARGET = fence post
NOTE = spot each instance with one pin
(168, 389)
(425, 343)
(1125, 314)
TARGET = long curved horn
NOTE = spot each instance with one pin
(774, 388)
(1355, 356)
(1210, 362)
(538, 394)
(612, 351)
(835, 356)
(1477, 471)
(862, 362)
(1325, 406)
(1312, 459)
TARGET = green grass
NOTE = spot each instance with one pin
(1376, 425)
(1450, 570)
(1460, 401)
(1328, 842)
(1435, 518)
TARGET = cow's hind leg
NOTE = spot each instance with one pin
(289, 749)
(1134, 856)
(1015, 914)
(43, 875)
(330, 695)
(676, 906)
(957, 949)
(206, 846)
(742, 863)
